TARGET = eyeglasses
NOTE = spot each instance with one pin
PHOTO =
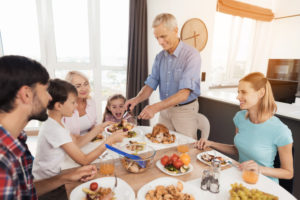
(85, 84)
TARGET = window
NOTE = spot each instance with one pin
(87, 36)
(71, 30)
(232, 48)
(19, 28)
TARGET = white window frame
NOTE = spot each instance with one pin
(48, 48)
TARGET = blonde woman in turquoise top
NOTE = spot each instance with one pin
(259, 134)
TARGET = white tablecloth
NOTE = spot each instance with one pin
(141, 130)
(228, 176)
(233, 175)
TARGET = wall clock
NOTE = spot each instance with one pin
(194, 33)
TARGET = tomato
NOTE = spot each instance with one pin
(174, 157)
(170, 162)
(164, 160)
(94, 186)
(178, 163)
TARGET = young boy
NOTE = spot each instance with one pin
(55, 140)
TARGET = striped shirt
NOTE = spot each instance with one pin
(16, 179)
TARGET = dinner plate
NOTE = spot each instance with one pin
(122, 192)
(136, 129)
(163, 169)
(214, 153)
(165, 181)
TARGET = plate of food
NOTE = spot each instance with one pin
(207, 157)
(97, 188)
(98, 138)
(161, 135)
(173, 171)
(135, 146)
(121, 127)
(171, 187)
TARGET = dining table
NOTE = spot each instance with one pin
(229, 174)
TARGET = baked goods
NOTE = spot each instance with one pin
(169, 192)
(161, 134)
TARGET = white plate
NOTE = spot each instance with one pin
(165, 181)
(122, 192)
(163, 169)
(215, 153)
(137, 130)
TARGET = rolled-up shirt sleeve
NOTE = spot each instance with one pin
(191, 75)
(153, 79)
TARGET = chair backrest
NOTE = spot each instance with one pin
(203, 125)
(285, 183)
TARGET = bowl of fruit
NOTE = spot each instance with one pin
(175, 165)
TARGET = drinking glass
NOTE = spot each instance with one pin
(182, 145)
(107, 166)
(250, 175)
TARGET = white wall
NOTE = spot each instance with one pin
(286, 31)
(182, 10)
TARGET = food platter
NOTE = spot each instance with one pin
(163, 169)
(122, 192)
(207, 156)
(166, 181)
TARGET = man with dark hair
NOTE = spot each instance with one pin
(24, 96)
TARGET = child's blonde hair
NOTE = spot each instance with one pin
(110, 99)
(267, 103)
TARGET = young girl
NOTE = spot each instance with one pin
(115, 110)
(55, 140)
(259, 134)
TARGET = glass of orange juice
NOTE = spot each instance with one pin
(182, 145)
(250, 175)
(107, 166)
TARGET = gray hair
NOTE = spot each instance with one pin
(71, 74)
(167, 19)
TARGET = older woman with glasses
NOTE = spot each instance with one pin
(85, 116)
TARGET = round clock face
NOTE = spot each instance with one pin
(194, 33)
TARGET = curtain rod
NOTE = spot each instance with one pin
(297, 15)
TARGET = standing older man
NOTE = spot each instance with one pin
(176, 70)
(24, 96)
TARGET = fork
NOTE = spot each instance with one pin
(116, 183)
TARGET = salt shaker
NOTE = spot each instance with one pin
(205, 180)
(215, 178)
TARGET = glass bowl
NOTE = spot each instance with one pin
(147, 155)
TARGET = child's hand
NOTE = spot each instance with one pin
(202, 144)
(99, 128)
(116, 138)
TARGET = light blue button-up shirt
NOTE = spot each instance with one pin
(173, 72)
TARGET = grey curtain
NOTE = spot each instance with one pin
(137, 64)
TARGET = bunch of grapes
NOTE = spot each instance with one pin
(240, 192)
